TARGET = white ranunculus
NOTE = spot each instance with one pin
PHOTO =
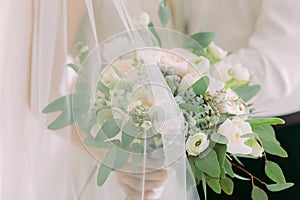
(216, 51)
(233, 130)
(142, 21)
(196, 144)
(240, 73)
(229, 102)
(220, 71)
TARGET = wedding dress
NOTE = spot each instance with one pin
(37, 163)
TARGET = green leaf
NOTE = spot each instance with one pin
(191, 108)
(110, 129)
(209, 164)
(227, 185)
(274, 172)
(117, 71)
(274, 148)
(214, 184)
(221, 153)
(155, 35)
(107, 166)
(171, 85)
(87, 181)
(90, 142)
(74, 67)
(201, 85)
(164, 12)
(265, 133)
(264, 121)
(258, 194)
(241, 177)
(61, 104)
(204, 38)
(128, 129)
(63, 120)
(279, 187)
(247, 92)
(218, 138)
(203, 180)
(228, 168)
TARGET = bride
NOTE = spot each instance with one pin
(36, 39)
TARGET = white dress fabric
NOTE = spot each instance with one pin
(39, 164)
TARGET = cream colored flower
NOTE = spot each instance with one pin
(196, 144)
(220, 71)
(233, 130)
(142, 21)
(175, 62)
(239, 73)
(216, 51)
(229, 102)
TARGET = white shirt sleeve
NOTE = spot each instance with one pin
(273, 57)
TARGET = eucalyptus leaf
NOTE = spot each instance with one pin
(74, 67)
(274, 149)
(265, 133)
(156, 37)
(221, 153)
(274, 172)
(203, 180)
(218, 138)
(107, 166)
(228, 168)
(201, 86)
(279, 187)
(264, 121)
(247, 92)
(164, 12)
(63, 103)
(241, 177)
(214, 184)
(103, 173)
(63, 120)
(204, 38)
(110, 129)
(258, 194)
(209, 164)
(191, 108)
(227, 185)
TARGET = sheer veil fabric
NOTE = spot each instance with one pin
(37, 163)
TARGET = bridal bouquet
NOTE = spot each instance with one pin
(120, 115)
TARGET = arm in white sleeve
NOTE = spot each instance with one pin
(273, 57)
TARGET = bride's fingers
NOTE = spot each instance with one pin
(134, 195)
(158, 175)
(137, 184)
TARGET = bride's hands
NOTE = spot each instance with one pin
(132, 185)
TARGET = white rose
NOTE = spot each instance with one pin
(142, 21)
(110, 77)
(196, 144)
(239, 73)
(233, 130)
(175, 62)
(220, 71)
(229, 102)
(216, 51)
